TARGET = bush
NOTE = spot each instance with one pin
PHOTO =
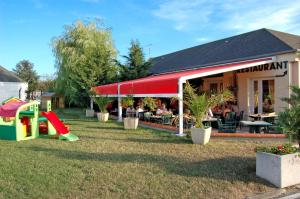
(278, 150)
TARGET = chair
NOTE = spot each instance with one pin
(239, 118)
(230, 118)
(188, 123)
(274, 128)
(147, 116)
(166, 119)
(226, 127)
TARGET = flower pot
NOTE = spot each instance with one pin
(102, 117)
(280, 170)
(200, 135)
(131, 123)
(89, 113)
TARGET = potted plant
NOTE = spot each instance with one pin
(199, 105)
(150, 103)
(131, 121)
(102, 102)
(280, 165)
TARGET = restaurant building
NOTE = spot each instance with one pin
(258, 67)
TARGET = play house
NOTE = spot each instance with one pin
(20, 120)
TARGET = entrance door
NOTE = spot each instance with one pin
(262, 95)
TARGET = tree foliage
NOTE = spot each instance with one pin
(135, 66)
(46, 84)
(289, 119)
(25, 70)
(85, 56)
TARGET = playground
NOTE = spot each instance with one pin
(20, 120)
(109, 162)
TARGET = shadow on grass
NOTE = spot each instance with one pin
(165, 140)
(231, 168)
(104, 128)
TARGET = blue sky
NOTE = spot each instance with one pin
(164, 26)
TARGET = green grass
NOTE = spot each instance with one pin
(109, 162)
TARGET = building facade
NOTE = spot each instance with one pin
(11, 85)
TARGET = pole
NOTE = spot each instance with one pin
(92, 104)
(119, 105)
(180, 108)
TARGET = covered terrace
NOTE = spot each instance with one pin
(170, 84)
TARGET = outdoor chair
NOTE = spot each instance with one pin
(147, 116)
(188, 123)
(166, 119)
(239, 118)
(226, 127)
(274, 128)
(230, 118)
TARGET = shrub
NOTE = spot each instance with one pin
(127, 101)
(102, 102)
(278, 150)
(289, 119)
(150, 103)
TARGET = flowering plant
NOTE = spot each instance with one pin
(278, 150)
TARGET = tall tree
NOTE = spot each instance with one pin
(25, 70)
(136, 66)
(85, 56)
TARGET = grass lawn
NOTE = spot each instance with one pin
(108, 162)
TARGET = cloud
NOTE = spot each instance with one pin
(231, 15)
(183, 13)
(284, 16)
(201, 39)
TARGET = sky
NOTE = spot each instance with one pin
(161, 26)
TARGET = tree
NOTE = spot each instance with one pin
(289, 119)
(85, 57)
(25, 70)
(135, 66)
(47, 84)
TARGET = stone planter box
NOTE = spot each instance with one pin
(200, 136)
(280, 170)
(102, 117)
(131, 123)
(89, 113)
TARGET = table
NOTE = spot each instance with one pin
(209, 120)
(263, 116)
(255, 126)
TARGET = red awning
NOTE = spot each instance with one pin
(167, 84)
(109, 89)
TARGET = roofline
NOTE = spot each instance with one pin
(229, 62)
(208, 43)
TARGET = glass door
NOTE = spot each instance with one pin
(262, 99)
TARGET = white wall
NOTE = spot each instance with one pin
(11, 89)
(281, 83)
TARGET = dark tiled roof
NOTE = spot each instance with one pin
(251, 45)
(7, 76)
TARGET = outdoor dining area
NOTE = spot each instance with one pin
(225, 118)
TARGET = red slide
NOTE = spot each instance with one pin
(55, 121)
